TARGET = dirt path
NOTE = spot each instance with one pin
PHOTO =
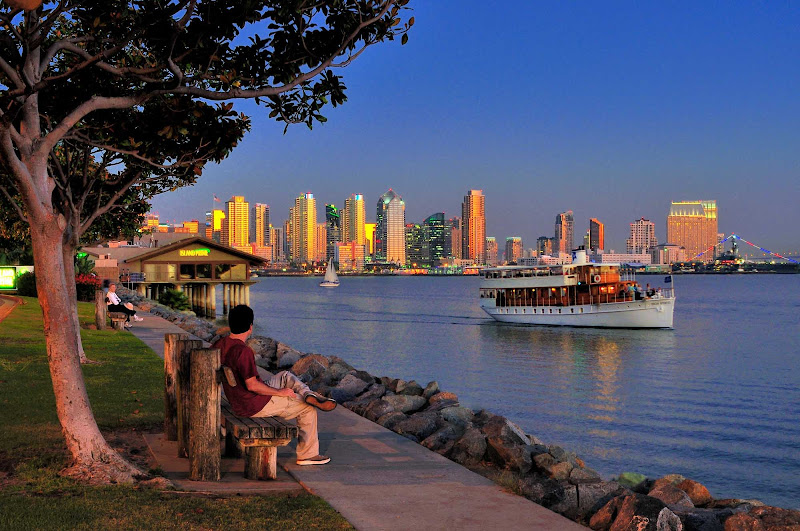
(7, 304)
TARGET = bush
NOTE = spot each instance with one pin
(174, 299)
(86, 285)
(26, 284)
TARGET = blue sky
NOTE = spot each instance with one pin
(608, 109)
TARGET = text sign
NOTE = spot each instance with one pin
(194, 252)
(8, 278)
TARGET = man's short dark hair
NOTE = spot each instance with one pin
(240, 318)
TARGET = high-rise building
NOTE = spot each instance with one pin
(453, 242)
(151, 222)
(596, 236)
(304, 229)
(565, 232)
(214, 225)
(491, 251)
(353, 219)
(544, 246)
(693, 225)
(236, 225)
(350, 256)
(514, 249)
(438, 238)
(369, 238)
(287, 236)
(321, 239)
(417, 245)
(189, 227)
(260, 228)
(333, 230)
(277, 238)
(390, 229)
(473, 227)
(642, 238)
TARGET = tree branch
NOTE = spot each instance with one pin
(111, 203)
(18, 208)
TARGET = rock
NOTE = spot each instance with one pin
(631, 479)
(444, 439)
(358, 406)
(310, 366)
(560, 471)
(579, 476)
(638, 512)
(336, 371)
(442, 404)
(405, 403)
(470, 448)
(669, 479)
(503, 428)
(672, 496)
(287, 356)
(512, 456)
(460, 416)
(347, 389)
(481, 418)
(336, 360)
(697, 493)
(363, 375)
(563, 499)
(704, 519)
(222, 331)
(431, 389)
(391, 419)
(412, 388)
(264, 347)
(373, 392)
(558, 453)
(594, 496)
(443, 395)
(543, 462)
(743, 522)
(377, 409)
(602, 519)
(420, 425)
(777, 518)
(396, 385)
(668, 521)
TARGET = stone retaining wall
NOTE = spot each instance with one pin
(497, 448)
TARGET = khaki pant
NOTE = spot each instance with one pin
(291, 408)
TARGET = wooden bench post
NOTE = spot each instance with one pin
(172, 353)
(100, 309)
(179, 370)
(205, 397)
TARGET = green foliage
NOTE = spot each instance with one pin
(175, 299)
(126, 392)
(26, 284)
(83, 264)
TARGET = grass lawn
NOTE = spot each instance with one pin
(126, 393)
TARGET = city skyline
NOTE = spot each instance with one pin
(609, 111)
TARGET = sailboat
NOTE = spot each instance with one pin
(331, 279)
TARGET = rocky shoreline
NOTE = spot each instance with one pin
(497, 448)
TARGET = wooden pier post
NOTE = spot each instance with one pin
(204, 454)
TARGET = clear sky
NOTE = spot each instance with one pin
(609, 109)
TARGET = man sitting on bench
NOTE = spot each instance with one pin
(115, 305)
(283, 395)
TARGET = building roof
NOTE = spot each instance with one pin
(253, 259)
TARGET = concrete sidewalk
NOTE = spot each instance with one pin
(376, 479)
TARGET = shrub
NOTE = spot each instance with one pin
(26, 284)
(86, 285)
(175, 299)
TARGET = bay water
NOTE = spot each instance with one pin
(717, 399)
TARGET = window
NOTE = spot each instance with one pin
(203, 271)
(186, 271)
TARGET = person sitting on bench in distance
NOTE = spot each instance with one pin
(282, 395)
(115, 305)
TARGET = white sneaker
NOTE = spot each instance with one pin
(137, 318)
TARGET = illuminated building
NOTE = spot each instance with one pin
(151, 222)
(321, 239)
(438, 238)
(544, 246)
(417, 249)
(667, 253)
(453, 250)
(349, 256)
(261, 225)
(596, 236)
(353, 219)
(304, 229)
(369, 237)
(333, 230)
(189, 227)
(214, 225)
(278, 243)
(390, 229)
(287, 236)
(693, 226)
(565, 230)
(514, 249)
(491, 251)
(473, 227)
(642, 238)
(236, 225)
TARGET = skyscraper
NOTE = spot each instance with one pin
(513, 249)
(491, 251)
(321, 242)
(369, 238)
(453, 248)
(236, 225)
(304, 229)
(473, 227)
(261, 225)
(437, 238)
(693, 225)
(390, 227)
(353, 219)
(333, 230)
(565, 231)
(417, 245)
(278, 242)
(642, 238)
(544, 245)
(596, 236)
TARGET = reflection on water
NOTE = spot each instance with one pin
(716, 399)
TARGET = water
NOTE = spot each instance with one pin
(717, 399)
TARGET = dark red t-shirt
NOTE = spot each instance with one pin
(242, 360)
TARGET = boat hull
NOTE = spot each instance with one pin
(326, 284)
(648, 313)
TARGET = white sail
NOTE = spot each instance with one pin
(331, 278)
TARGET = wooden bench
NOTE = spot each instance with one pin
(117, 320)
(257, 438)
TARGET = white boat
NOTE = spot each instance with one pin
(576, 294)
(331, 279)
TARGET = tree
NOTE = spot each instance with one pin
(106, 103)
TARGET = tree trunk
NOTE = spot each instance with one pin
(68, 253)
(93, 458)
